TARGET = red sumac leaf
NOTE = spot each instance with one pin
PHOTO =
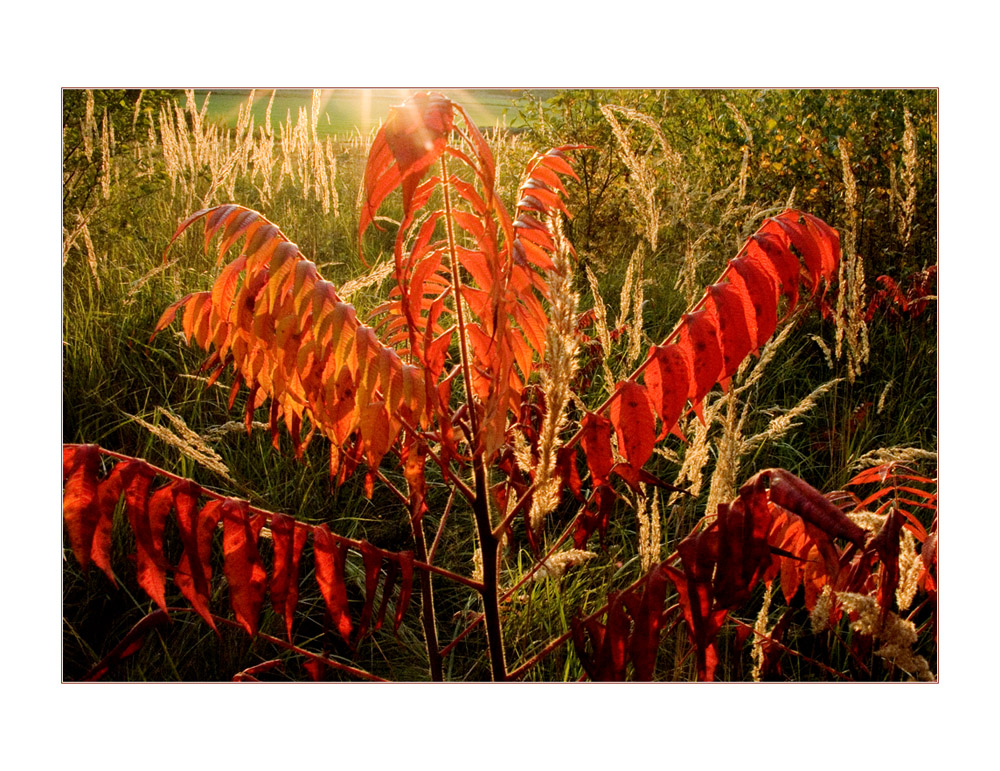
(701, 344)
(151, 563)
(372, 559)
(762, 288)
(193, 575)
(633, 419)
(695, 600)
(288, 539)
(596, 443)
(109, 492)
(648, 618)
(81, 506)
(792, 493)
(249, 675)
(668, 379)
(241, 562)
(886, 543)
(330, 563)
(129, 644)
(405, 586)
(735, 322)
(769, 252)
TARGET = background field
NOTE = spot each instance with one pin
(345, 111)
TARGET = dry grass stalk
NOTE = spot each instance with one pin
(561, 350)
(603, 334)
(631, 304)
(852, 332)
(375, 276)
(790, 203)
(896, 635)
(881, 399)
(905, 202)
(722, 484)
(782, 424)
(650, 537)
(91, 253)
(699, 450)
(89, 126)
(770, 350)
(819, 616)
(215, 433)
(910, 569)
(827, 353)
(557, 565)
(190, 444)
(867, 520)
(760, 634)
(687, 276)
(105, 157)
(905, 456)
(745, 164)
(643, 182)
(331, 160)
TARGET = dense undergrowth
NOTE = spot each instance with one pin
(670, 186)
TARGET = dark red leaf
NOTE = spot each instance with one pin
(249, 675)
(648, 618)
(790, 492)
(129, 644)
(886, 544)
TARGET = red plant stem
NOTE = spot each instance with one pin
(459, 311)
(488, 543)
(427, 615)
(294, 648)
(440, 530)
